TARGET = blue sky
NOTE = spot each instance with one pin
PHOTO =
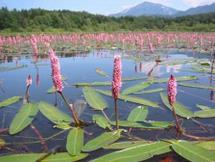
(97, 6)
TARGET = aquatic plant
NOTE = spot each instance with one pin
(58, 83)
(116, 84)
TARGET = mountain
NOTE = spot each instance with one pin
(198, 10)
(154, 9)
(147, 9)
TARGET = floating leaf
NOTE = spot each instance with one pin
(180, 109)
(137, 153)
(102, 140)
(124, 144)
(131, 99)
(195, 85)
(101, 121)
(203, 107)
(52, 90)
(10, 101)
(53, 114)
(144, 124)
(94, 99)
(138, 114)
(92, 84)
(193, 152)
(23, 118)
(150, 91)
(101, 72)
(179, 79)
(209, 145)
(133, 78)
(135, 88)
(209, 113)
(75, 141)
(32, 157)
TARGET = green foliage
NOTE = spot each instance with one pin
(180, 109)
(39, 20)
(101, 121)
(53, 114)
(193, 152)
(94, 99)
(136, 153)
(132, 99)
(10, 101)
(23, 118)
(136, 88)
(32, 157)
(75, 141)
(138, 114)
(102, 140)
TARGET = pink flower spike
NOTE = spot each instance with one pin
(28, 81)
(172, 90)
(116, 83)
(56, 74)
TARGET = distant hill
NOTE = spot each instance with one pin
(147, 9)
(154, 9)
(198, 10)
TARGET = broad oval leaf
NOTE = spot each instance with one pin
(180, 109)
(150, 91)
(208, 145)
(102, 140)
(101, 121)
(179, 79)
(193, 152)
(75, 141)
(23, 118)
(93, 84)
(53, 114)
(132, 99)
(94, 99)
(203, 107)
(10, 101)
(32, 157)
(136, 88)
(136, 153)
(195, 85)
(209, 113)
(124, 144)
(144, 124)
(138, 114)
(133, 78)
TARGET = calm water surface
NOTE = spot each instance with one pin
(82, 68)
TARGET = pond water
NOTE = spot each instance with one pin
(82, 68)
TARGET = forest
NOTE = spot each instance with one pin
(40, 20)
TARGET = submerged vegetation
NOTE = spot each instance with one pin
(138, 102)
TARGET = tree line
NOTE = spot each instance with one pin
(40, 20)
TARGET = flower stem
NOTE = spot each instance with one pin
(178, 126)
(116, 113)
(71, 108)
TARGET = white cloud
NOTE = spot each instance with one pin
(195, 3)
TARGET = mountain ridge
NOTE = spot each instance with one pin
(156, 9)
